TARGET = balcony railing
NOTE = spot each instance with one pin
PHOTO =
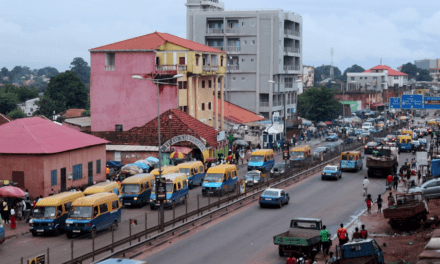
(182, 67)
(217, 47)
(110, 68)
(232, 30)
(291, 68)
(206, 68)
(291, 49)
(166, 68)
(215, 30)
(233, 48)
(288, 85)
(291, 32)
(264, 104)
(233, 67)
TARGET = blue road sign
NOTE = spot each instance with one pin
(395, 102)
(432, 102)
(412, 101)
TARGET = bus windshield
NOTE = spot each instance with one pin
(257, 158)
(214, 177)
(186, 171)
(81, 212)
(130, 188)
(298, 154)
(44, 211)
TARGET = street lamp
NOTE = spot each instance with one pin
(157, 82)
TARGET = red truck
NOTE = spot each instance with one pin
(409, 209)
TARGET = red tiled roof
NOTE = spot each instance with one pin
(237, 114)
(391, 72)
(4, 119)
(155, 40)
(180, 124)
(71, 113)
(39, 136)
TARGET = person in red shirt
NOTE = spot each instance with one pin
(291, 260)
(342, 235)
(369, 201)
(364, 233)
(389, 181)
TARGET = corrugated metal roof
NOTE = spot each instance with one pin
(80, 121)
(130, 148)
(152, 42)
(237, 114)
(39, 136)
(391, 72)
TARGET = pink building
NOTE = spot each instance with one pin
(119, 102)
(40, 155)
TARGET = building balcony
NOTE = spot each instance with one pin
(215, 3)
(291, 32)
(291, 50)
(217, 47)
(182, 68)
(291, 68)
(110, 68)
(208, 68)
(166, 69)
(264, 104)
(232, 31)
(233, 67)
(215, 31)
(233, 49)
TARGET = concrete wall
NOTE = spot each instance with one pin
(422, 64)
(117, 98)
(128, 157)
(37, 168)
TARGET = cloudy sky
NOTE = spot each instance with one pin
(51, 33)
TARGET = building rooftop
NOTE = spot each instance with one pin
(4, 119)
(84, 121)
(391, 72)
(39, 136)
(238, 115)
(152, 42)
(71, 113)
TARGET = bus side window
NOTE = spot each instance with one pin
(175, 187)
(179, 185)
(95, 211)
(115, 204)
(184, 184)
(201, 169)
(234, 173)
(67, 207)
(59, 210)
(103, 208)
(225, 177)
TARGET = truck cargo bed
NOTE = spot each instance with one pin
(298, 237)
(403, 211)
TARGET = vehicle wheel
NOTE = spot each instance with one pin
(281, 252)
(151, 207)
(94, 232)
(262, 206)
(114, 226)
(69, 234)
(280, 205)
(322, 178)
(34, 233)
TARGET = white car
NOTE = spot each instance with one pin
(367, 126)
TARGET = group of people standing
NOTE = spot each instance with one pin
(13, 209)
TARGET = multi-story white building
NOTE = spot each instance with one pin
(29, 107)
(264, 53)
(378, 78)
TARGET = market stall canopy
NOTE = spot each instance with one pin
(321, 124)
(12, 192)
(177, 155)
(271, 130)
(328, 122)
(184, 150)
(152, 161)
(113, 163)
(241, 142)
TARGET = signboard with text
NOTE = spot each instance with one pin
(412, 101)
(432, 102)
(395, 102)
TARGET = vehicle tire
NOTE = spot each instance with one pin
(114, 226)
(280, 252)
(322, 178)
(280, 205)
(262, 206)
(69, 234)
(151, 207)
(34, 233)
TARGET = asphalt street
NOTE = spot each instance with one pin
(27, 246)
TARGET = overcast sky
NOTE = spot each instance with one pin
(51, 33)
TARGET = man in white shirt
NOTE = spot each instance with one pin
(365, 184)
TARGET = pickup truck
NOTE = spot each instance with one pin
(360, 252)
(410, 209)
(331, 137)
(302, 237)
(384, 164)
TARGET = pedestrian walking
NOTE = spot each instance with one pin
(342, 235)
(369, 202)
(6, 212)
(379, 204)
(391, 200)
(389, 182)
(291, 259)
(395, 182)
(19, 212)
(13, 220)
(364, 232)
(365, 184)
(356, 234)
(325, 235)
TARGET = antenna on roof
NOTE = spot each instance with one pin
(380, 61)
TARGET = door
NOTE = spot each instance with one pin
(90, 173)
(63, 179)
(182, 61)
(18, 177)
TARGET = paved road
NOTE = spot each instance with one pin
(27, 246)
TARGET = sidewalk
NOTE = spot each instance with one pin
(21, 229)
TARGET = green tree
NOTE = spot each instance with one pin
(81, 68)
(410, 69)
(49, 72)
(16, 114)
(423, 76)
(64, 91)
(4, 72)
(8, 102)
(353, 68)
(319, 104)
(25, 93)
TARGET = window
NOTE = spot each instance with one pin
(90, 168)
(252, 24)
(203, 106)
(209, 106)
(184, 184)
(242, 60)
(242, 24)
(98, 166)
(201, 168)
(179, 185)
(221, 61)
(245, 42)
(185, 109)
(352, 78)
(242, 78)
(203, 84)
(118, 127)
(103, 208)
(68, 206)
(233, 78)
(209, 84)
(197, 61)
(53, 177)
(234, 173)
(396, 77)
(252, 60)
(115, 204)
(95, 211)
(182, 60)
(253, 42)
(110, 61)
(77, 171)
(183, 85)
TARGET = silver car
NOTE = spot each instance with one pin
(430, 189)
